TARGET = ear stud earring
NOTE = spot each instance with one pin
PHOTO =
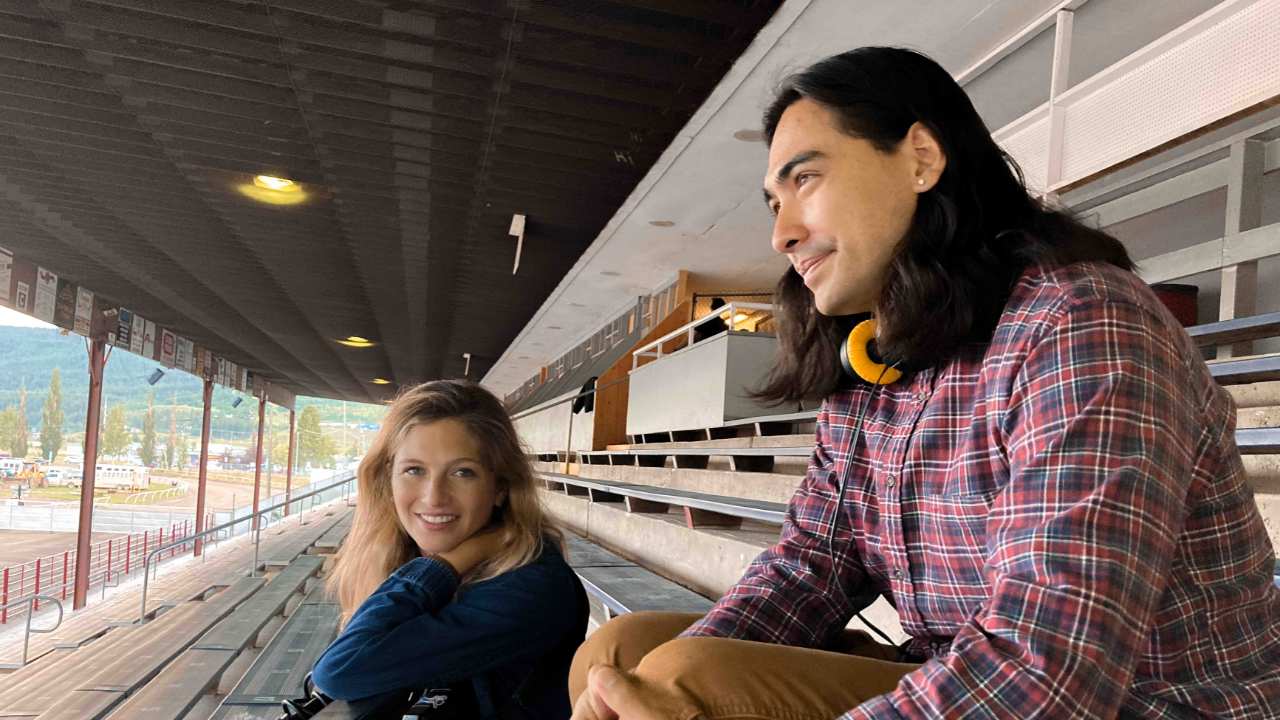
(919, 181)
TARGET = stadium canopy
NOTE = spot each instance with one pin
(256, 181)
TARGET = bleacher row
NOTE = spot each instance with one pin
(232, 649)
(692, 507)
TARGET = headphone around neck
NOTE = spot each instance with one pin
(859, 358)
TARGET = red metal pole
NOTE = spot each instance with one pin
(37, 592)
(4, 614)
(97, 360)
(65, 556)
(257, 466)
(288, 471)
(107, 577)
(202, 483)
(128, 551)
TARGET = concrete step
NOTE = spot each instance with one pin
(764, 441)
(706, 560)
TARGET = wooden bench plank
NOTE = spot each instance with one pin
(1262, 368)
(277, 673)
(1226, 332)
(1258, 441)
(178, 687)
(237, 630)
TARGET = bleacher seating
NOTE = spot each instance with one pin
(695, 506)
(177, 661)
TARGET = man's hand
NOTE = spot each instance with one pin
(614, 695)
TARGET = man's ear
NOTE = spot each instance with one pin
(926, 155)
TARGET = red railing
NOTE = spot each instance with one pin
(109, 561)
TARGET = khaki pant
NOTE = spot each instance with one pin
(722, 679)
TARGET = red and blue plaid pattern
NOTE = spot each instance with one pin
(1061, 518)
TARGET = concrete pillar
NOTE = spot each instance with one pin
(288, 471)
(257, 465)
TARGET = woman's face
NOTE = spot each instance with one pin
(841, 206)
(443, 491)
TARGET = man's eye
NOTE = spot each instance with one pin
(802, 178)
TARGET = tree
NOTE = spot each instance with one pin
(52, 420)
(183, 449)
(148, 449)
(8, 429)
(171, 450)
(115, 436)
(21, 436)
(314, 447)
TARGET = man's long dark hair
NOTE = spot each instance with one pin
(973, 234)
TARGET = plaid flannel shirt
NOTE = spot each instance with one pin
(1060, 516)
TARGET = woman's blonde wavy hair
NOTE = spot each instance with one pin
(377, 544)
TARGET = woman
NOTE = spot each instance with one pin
(1050, 493)
(452, 578)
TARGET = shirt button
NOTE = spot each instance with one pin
(897, 574)
(891, 480)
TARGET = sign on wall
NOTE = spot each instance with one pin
(6, 275)
(84, 311)
(46, 294)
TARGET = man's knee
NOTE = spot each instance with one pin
(623, 641)
(686, 660)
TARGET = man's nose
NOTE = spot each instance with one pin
(788, 230)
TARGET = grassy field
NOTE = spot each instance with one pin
(68, 493)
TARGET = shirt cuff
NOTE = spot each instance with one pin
(433, 575)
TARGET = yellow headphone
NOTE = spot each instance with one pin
(855, 356)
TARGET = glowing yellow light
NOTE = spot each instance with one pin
(356, 341)
(273, 190)
(381, 381)
(740, 317)
(271, 182)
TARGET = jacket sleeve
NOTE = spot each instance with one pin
(788, 594)
(1101, 438)
(412, 633)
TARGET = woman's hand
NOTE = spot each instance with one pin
(474, 550)
(614, 695)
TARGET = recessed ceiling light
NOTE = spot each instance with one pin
(749, 135)
(740, 317)
(554, 327)
(271, 182)
(610, 273)
(356, 341)
(661, 223)
(381, 381)
(273, 190)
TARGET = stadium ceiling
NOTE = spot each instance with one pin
(131, 132)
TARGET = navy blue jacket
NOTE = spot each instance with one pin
(511, 637)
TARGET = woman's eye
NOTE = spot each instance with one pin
(464, 472)
(412, 471)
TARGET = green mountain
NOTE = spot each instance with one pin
(29, 355)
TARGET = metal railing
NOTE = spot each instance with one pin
(55, 573)
(727, 312)
(26, 635)
(345, 483)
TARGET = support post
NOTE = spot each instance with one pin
(203, 472)
(1239, 297)
(288, 471)
(84, 531)
(257, 465)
